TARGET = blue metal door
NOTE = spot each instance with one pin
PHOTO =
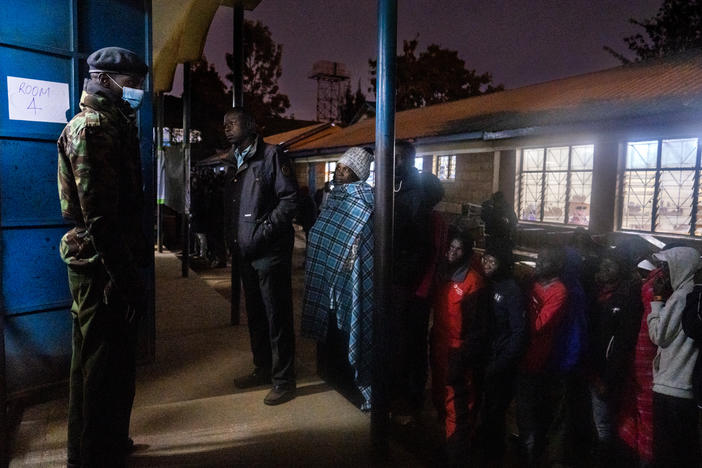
(43, 46)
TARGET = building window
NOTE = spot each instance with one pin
(371, 175)
(659, 186)
(555, 184)
(329, 169)
(445, 167)
(419, 163)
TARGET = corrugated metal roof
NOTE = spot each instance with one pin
(637, 90)
(302, 136)
(288, 140)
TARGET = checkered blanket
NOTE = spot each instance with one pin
(339, 275)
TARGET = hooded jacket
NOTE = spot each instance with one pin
(677, 353)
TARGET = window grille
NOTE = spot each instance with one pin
(445, 168)
(659, 189)
(554, 184)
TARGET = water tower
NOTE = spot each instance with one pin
(330, 77)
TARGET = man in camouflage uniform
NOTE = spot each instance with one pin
(100, 188)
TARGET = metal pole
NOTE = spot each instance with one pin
(159, 162)
(237, 101)
(186, 169)
(238, 56)
(382, 254)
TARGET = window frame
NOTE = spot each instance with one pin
(543, 172)
(329, 174)
(452, 163)
(658, 170)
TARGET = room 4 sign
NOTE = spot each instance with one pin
(37, 100)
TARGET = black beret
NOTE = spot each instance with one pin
(116, 60)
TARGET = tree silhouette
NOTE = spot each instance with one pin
(262, 70)
(351, 105)
(676, 27)
(209, 101)
(436, 75)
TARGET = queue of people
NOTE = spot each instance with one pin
(589, 346)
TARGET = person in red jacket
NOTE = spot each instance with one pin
(458, 345)
(536, 383)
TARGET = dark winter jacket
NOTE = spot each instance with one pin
(412, 241)
(615, 322)
(260, 201)
(508, 329)
(572, 338)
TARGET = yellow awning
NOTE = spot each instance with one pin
(179, 32)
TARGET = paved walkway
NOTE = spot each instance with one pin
(187, 411)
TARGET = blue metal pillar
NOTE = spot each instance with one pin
(237, 101)
(185, 265)
(382, 255)
(157, 164)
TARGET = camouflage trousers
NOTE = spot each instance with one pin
(102, 373)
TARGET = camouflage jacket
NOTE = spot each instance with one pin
(100, 188)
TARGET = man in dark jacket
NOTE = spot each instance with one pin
(260, 199)
(508, 337)
(412, 247)
(100, 189)
(615, 320)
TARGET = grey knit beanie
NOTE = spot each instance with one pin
(358, 160)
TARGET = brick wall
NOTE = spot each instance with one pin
(301, 172)
(473, 182)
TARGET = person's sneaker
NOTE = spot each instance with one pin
(255, 379)
(279, 394)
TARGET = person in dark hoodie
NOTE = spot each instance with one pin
(615, 321)
(566, 362)
(500, 219)
(507, 340)
(412, 246)
(420, 304)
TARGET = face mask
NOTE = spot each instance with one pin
(131, 96)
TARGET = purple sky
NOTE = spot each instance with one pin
(519, 41)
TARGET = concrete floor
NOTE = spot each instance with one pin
(187, 411)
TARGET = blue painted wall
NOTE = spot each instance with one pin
(49, 40)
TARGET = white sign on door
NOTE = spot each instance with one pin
(37, 100)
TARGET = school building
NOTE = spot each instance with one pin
(615, 151)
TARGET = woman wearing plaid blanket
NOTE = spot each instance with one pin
(338, 299)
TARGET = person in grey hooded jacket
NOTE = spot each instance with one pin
(675, 432)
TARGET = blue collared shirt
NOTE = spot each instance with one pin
(242, 155)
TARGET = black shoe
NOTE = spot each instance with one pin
(129, 446)
(255, 379)
(279, 394)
